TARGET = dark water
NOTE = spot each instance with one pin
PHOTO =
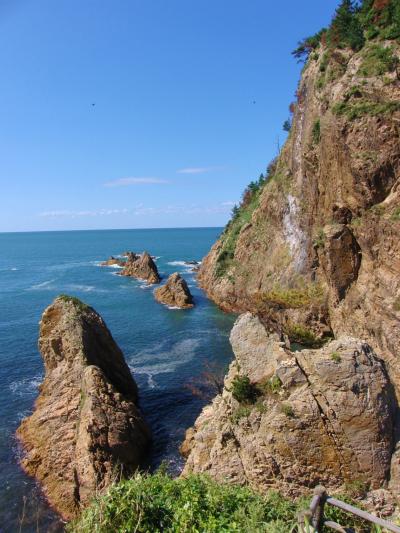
(165, 348)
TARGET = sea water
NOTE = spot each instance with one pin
(166, 349)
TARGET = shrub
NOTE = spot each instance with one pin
(287, 125)
(396, 214)
(335, 356)
(319, 239)
(356, 110)
(243, 390)
(377, 60)
(272, 385)
(195, 503)
(316, 131)
(243, 411)
(301, 335)
(293, 298)
(287, 410)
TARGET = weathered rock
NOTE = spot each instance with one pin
(141, 267)
(86, 427)
(175, 292)
(113, 261)
(328, 419)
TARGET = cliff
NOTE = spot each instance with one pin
(313, 251)
(86, 428)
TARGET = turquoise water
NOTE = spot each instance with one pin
(165, 348)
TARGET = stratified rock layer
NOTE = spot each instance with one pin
(86, 428)
(141, 267)
(324, 416)
(175, 292)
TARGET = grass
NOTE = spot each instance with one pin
(377, 60)
(287, 410)
(319, 239)
(396, 215)
(243, 411)
(293, 298)
(76, 301)
(335, 356)
(316, 132)
(354, 110)
(192, 504)
(304, 336)
(272, 385)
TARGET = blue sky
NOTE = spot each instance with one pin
(174, 134)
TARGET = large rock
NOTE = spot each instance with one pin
(113, 261)
(86, 428)
(175, 292)
(324, 416)
(141, 267)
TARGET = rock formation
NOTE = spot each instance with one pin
(175, 292)
(111, 261)
(319, 416)
(141, 267)
(86, 428)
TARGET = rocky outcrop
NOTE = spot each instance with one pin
(319, 416)
(141, 267)
(86, 428)
(112, 261)
(175, 292)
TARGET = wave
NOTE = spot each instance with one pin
(43, 285)
(26, 386)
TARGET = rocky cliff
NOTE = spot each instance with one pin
(86, 429)
(313, 251)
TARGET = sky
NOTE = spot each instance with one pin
(142, 113)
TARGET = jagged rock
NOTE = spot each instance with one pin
(141, 267)
(328, 420)
(113, 261)
(86, 427)
(175, 292)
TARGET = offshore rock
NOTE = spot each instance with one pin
(86, 428)
(175, 292)
(141, 267)
(323, 416)
(111, 261)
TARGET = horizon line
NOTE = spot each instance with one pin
(108, 229)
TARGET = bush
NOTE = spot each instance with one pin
(287, 410)
(377, 60)
(158, 504)
(293, 298)
(335, 356)
(301, 335)
(243, 390)
(316, 132)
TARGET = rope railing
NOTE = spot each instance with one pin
(312, 520)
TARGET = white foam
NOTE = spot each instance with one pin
(177, 263)
(14, 268)
(40, 286)
(26, 386)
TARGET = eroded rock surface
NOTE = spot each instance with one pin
(175, 292)
(86, 428)
(323, 416)
(141, 267)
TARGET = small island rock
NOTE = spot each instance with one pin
(86, 427)
(111, 261)
(141, 267)
(175, 292)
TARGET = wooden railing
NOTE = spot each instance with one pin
(312, 520)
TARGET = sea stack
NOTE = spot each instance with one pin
(86, 427)
(175, 292)
(141, 267)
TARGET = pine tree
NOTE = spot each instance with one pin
(346, 29)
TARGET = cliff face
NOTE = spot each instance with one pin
(316, 250)
(86, 428)
(313, 254)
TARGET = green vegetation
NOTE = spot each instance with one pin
(335, 356)
(353, 110)
(293, 298)
(243, 411)
(159, 503)
(316, 132)
(287, 125)
(243, 390)
(396, 215)
(354, 24)
(377, 60)
(356, 488)
(396, 304)
(287, 410)
(272, 385)
(319, 239)
(78, 303)
(304, 336)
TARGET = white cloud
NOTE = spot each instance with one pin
(125, 182)
(75, 214)
(196, 170)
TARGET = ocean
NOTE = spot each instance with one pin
(166, 349)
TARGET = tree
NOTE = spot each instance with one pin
(287, 125)
(306, 46)
(346, 29)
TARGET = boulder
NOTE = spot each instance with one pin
(175, 292)
(141, 267)
(111, 261)
(322, 416)
(86, 428)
